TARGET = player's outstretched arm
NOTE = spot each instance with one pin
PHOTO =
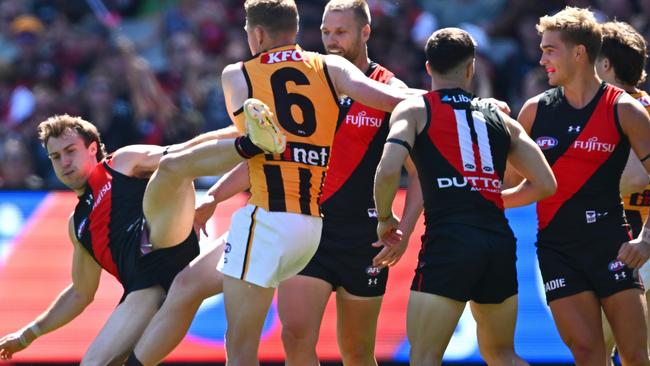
(67, 306)
(527, 160)
(350, 81)
(635, 123)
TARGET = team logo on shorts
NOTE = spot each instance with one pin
(228, 248)
(373, 271)
(615, 265)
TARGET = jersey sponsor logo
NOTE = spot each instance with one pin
(373, 271)
(592, 144)
(102, 192)
(554, 284)
(303, 153)
(362, 119)
(82, 227)
(546, 142)
(281, 56)
(574, 129)
(459, 98)
(615, 265)
(477, 183)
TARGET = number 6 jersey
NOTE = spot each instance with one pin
(296, 86)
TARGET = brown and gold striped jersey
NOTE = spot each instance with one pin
(296, 86)
(637, 204)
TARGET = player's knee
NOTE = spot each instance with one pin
(498, 355)
(185, 288)
(295, 334)
(425, 356)
(584, 352)
(636, 357)
(359, 355)
(171, 164)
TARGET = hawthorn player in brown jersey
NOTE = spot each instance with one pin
(621, 62)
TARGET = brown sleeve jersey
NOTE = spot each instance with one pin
(637, 204)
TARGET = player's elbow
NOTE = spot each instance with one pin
(634, 183)
(386, 173)
(547, 186)
(82, 298)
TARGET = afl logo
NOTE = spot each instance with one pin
(615, 265)
(470, 167)
(373, 271)
(546, 142)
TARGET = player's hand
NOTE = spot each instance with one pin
(387, 231)
(390, 254)
(9, 345)
(634, 253)
(203, 213)
(501, 105)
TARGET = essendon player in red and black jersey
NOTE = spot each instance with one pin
(109, 222)
(344, 259)
(585, 129)
(134, 219)
(460, 146)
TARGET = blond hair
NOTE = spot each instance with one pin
(577, 26)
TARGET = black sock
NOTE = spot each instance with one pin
(133, 361)
(246, 148)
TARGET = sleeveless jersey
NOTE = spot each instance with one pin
(109, 217)
(461, 156)
(587, 152)
(297, 88)
(358, 144)
(637, 204)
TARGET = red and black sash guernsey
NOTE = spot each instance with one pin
(587, 152)
(461, 157)
(358, 144)
(108, 218)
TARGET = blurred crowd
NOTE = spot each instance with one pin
(148, 71)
